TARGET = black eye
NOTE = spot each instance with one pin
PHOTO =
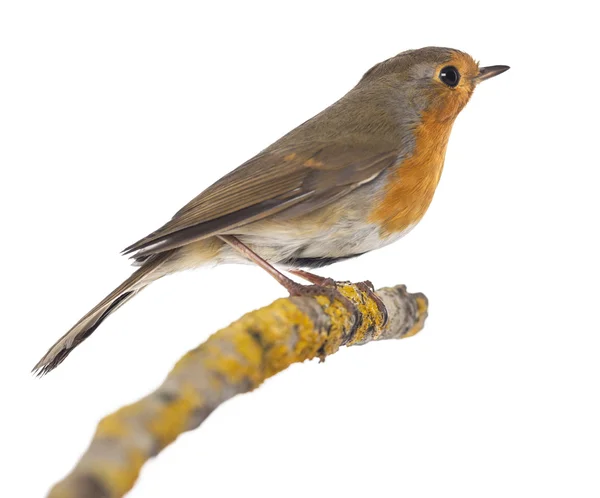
(450, 76)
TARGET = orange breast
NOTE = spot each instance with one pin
(411, 185)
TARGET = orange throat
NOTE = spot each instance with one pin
(412, 182)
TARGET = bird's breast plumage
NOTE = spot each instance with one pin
(411, 183)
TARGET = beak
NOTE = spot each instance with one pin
(488, 72)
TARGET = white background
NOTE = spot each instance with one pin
(114, 114)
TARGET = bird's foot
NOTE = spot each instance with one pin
(367, 288)
(325, 284)
(329, 291)
(321, 287)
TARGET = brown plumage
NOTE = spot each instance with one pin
(355, 177)
(307, 176)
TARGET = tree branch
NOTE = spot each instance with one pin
(234, 360)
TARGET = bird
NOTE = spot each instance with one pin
(355, 177)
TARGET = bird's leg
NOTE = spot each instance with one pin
(294, 288)
(366, 287)
(242, 248)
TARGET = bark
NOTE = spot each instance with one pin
(234, 360)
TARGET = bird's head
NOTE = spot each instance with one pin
(437, 80)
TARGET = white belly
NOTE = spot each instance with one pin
(338, 241)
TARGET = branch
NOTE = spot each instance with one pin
(234, 360)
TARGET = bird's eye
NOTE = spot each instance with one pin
(450, 76)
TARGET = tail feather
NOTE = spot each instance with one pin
(90, 322)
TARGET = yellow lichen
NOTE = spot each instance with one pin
(245, 344)
(339, 322)
(240, 356)
(119, 478)
(372, 321)
(173, 418)
(112, 426)
(260, 344)
(229, 367)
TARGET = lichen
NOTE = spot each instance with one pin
(236, 359)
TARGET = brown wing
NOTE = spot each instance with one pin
(306, 176)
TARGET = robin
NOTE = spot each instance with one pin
(354, 178)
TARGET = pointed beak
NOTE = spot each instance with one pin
(488, 72)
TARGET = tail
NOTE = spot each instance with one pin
(90, 322)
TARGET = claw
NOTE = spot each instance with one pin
(329, 291)
(367, 288)
(325, 285)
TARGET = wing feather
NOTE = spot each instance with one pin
(267, 184)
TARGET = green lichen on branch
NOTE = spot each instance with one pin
(234, 360)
